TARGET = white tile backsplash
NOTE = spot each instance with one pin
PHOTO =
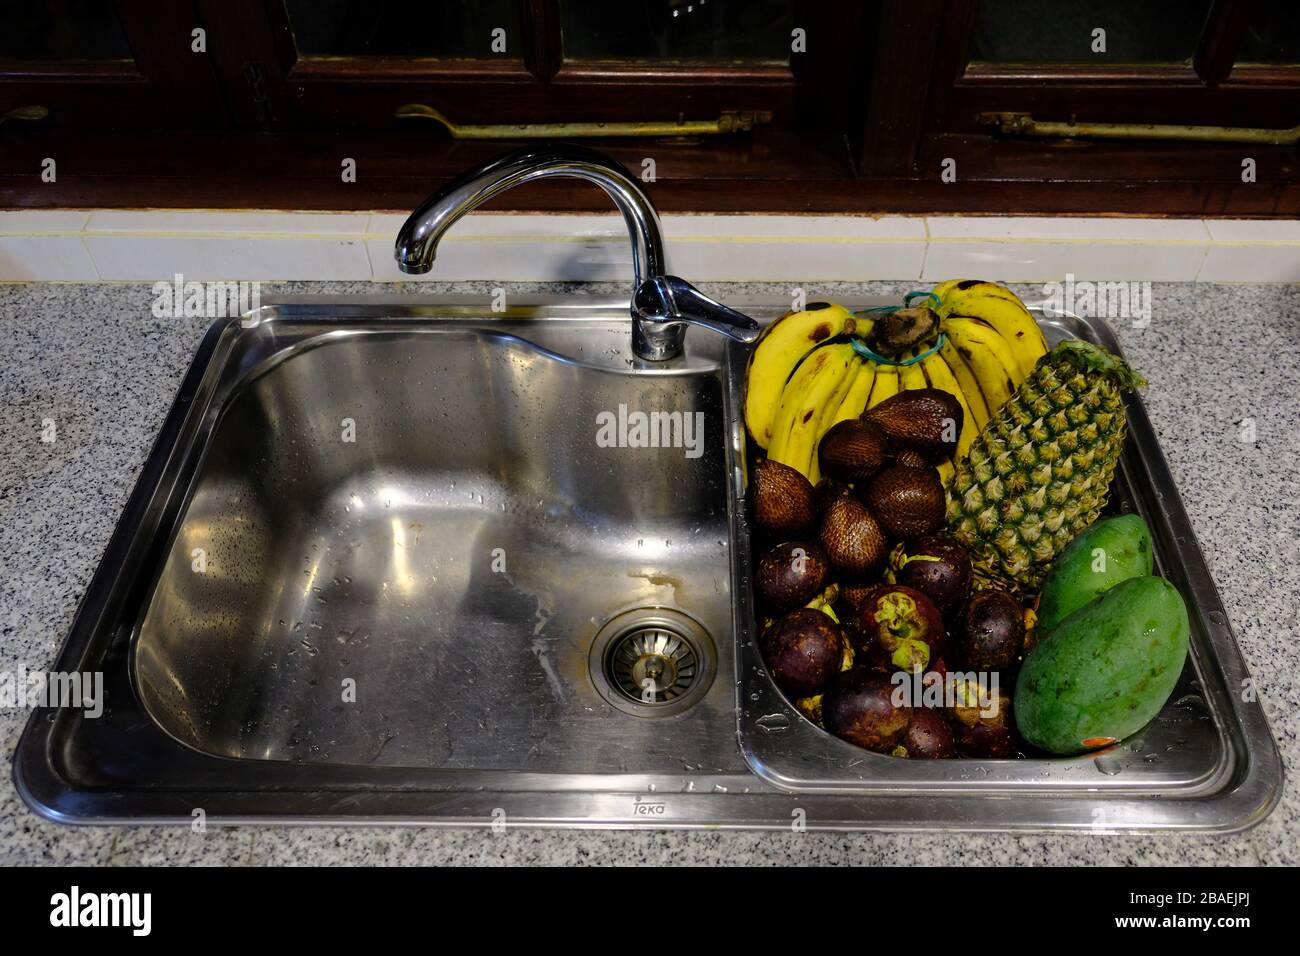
(1251, 263)
(149, 258)
(135, 245)
(205, 222)
(27, 258)
(1067, 228)
(1023, 261)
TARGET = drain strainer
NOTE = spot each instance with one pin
(652, 662)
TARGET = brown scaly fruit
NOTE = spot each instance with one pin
(827, 490)
(927, 420)
(907, 502)
(783, 500)
(1039, 473)
(853, 450)
(853, 540)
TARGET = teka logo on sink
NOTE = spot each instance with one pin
(75, 908)
(649, 809)
(626, 429)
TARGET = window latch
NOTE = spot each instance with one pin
(731, 121)
(1023, 124)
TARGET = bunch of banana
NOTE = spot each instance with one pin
(805, 375)
(999, 309)
(782, 346)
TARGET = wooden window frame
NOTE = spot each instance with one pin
(162, 85)
(862, 130)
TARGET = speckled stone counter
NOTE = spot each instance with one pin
(94, 359)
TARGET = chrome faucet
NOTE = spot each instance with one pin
(662, 305)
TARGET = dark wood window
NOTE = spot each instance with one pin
(857, 105)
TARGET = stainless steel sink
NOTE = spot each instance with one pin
(424, 516)
(384, 565)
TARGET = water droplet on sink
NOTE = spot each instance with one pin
(773, 723)
(1107, 765)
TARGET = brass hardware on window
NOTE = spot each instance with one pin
(25, 114)
(731, 121)
(1022, 124)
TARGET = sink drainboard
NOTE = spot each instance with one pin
(652, 662)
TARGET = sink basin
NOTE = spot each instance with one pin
(423, 562)
(428, 515)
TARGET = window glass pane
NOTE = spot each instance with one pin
(1065, 31)
(447, 29)
(1272, 33)
(61, 30)
(738, 30)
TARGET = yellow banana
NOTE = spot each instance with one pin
(885, 385)
(968, 380)
(810, 404)
(782, 346)
(974, 287)
(943, 288)
(792, 398)
(825, 414)
(938, 375)
(911, 376)
(989, 357)
(855, 399)
(1009, 318)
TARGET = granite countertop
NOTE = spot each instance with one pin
(93, 358)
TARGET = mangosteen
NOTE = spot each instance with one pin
(938, 566)
(803, 650)
(991, 631)
(860, 707)
(790, 575)
(896, 628)
(988, 740)
(979, 701)
(928, 736)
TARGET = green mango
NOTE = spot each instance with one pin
(1111, 551)
(1104, 672)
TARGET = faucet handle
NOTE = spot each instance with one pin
(670, 301)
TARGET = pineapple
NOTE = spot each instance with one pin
(1039, 472)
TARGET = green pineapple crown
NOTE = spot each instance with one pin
(1095, 360)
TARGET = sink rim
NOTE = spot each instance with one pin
(286, 795)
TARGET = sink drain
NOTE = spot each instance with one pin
(652, 662)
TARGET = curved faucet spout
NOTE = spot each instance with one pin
(656, 335)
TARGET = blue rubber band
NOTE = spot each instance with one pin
(864, 350)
